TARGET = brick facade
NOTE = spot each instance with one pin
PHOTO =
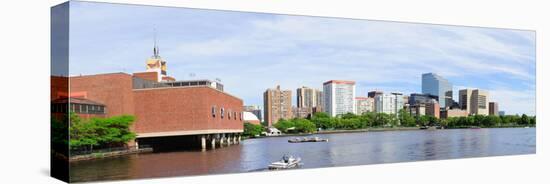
(186, 109)
(160, 110)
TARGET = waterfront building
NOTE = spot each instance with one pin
(319, 103)
(399, 103)
(493, 108)
(308, 100)
(363, 105)
(167, 111)
(433, 109)
(254, 109)
(465, 99)
(277, 105)
(250, 118)
(301, 112)
(385, 103)
(418, 110)
(449, 113)
(339, 97)
(436, 85)
(474, 101)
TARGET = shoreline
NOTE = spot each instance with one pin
(375, 130)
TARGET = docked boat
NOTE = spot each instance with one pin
(305, 139)
(287, 162)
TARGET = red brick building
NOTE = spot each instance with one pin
(197, 110)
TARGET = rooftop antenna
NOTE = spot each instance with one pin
(155, 47)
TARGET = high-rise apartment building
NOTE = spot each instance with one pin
(277, 105)
(436, 85)
(339, 97)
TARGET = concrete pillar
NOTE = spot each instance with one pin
(239, 138)
(213, 142)
(137, 144)
(203, 142)
(222, 139)
(230, 139)
(235, 139)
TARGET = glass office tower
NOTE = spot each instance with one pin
(434, 84)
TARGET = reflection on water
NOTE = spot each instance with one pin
(342, 150)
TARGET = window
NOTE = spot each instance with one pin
(213, 111)
(222, 112)
(229, 114)
(235, 115)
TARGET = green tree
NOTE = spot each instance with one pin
(252, 130)
(406, 118)
(100, 132)
(524, 120)
(304, 125)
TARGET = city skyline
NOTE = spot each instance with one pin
(260, 51)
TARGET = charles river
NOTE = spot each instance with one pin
(343, 149)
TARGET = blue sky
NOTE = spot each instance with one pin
(251, 52)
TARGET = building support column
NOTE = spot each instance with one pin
(136, 144)
(235, 139)
(239, 138)
(203, 142)
(230, 139)
(213, 142)
(222, 139)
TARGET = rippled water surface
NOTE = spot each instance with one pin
(343, 149)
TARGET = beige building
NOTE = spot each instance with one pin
(474, 101)
(449, 113)
(363, 105)
(309, 100)
(277, 105)
(418, 109)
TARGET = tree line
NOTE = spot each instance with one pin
(352, 121)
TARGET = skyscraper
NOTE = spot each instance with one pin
(339, 97)
(277, 105)
(434, 84)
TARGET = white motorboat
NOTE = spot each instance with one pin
(287, 162)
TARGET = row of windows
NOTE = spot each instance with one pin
(229, 113)
(78, 108)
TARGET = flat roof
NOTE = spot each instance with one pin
(339, 82)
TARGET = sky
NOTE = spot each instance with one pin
(251, 52)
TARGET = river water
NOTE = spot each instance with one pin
(343, 149)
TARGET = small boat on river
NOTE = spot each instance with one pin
(306, 139)
(287, 162)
